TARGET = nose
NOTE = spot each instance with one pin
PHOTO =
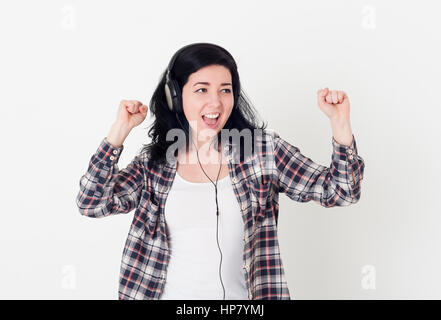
(215, 99)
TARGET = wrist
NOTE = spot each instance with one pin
(117, 134)
(122, 127)
(342, 132)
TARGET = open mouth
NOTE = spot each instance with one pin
(211, 119)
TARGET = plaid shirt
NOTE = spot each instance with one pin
(276, 167)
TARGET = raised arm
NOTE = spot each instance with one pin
(303, 180)
(104, 188)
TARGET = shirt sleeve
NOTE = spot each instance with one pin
(106, 190)
(303, 180)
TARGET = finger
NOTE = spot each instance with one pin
(133, 106)
(340, 96)
(130, 106)
(141, 108)
(325, 91)
(334, 96)
(329, 98)
(320, 97)
(320, 94)
(138, 104)
(344, 96)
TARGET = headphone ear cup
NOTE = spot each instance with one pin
(173, 96)
(177, 102)
(169, 95)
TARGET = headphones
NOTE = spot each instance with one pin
(172, 90)
(173, 93)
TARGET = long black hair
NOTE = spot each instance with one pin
(190, 60)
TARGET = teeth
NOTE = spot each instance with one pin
(212, 115)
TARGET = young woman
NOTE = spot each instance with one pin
(205, 222)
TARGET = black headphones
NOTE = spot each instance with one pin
(173, 93)
(172, 90)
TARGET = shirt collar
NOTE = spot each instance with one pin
(228, 154)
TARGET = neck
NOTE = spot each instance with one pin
(206, 143)
(205, 151)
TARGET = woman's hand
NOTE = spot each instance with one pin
(335, 104)
(131, 113)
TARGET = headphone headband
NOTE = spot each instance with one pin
(173, 59)
(172, 92)
(175, 56)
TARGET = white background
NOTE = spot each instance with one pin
(65, 66)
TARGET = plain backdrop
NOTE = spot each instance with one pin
(66, 65)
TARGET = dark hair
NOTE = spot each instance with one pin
(190, 60)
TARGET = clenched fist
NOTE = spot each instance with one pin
(335, 104)
(131, 113)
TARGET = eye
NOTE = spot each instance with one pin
(228, 90)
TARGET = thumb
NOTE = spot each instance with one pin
(322, 92)
(321, 95)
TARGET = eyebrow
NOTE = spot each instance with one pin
(208, 83)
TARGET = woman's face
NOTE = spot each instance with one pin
(208, 91)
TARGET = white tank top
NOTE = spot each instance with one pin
(193, 269)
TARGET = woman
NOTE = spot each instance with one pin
(205, 222)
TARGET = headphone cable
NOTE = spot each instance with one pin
(217, 207)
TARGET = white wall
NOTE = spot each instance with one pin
(65, 65)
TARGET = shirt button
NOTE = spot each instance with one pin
(247, 268)
(350, 151)
(112, 158)
(244, 206)
(234, 179)
(115, 151)
(250, 296)
(351, 157)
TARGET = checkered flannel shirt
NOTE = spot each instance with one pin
(276, 167)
